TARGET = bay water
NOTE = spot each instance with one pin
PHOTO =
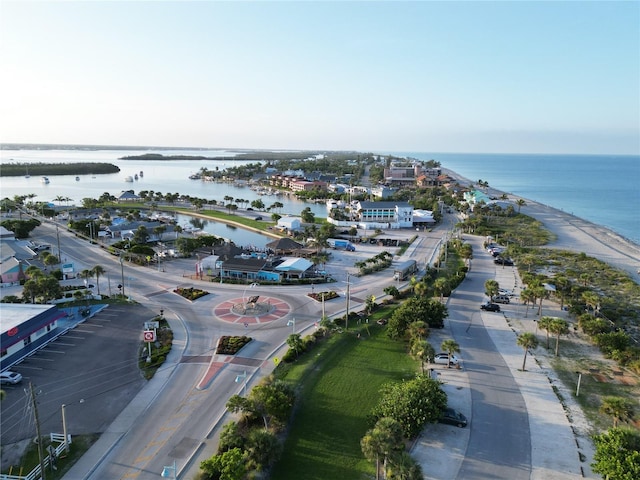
(603, 189)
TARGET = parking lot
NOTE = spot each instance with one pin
(92, 370)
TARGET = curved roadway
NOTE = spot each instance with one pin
(174, 416)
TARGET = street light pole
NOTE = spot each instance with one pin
(122, 273)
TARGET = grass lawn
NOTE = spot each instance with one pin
(339, 384)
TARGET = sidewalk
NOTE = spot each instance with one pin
(557, 443)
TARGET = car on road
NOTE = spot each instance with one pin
(490, 307)
(10, 377)
(258, 218)
(504, 291)
(442, 358)
(453, 417)
(500, 299)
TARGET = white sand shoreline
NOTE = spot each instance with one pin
(576, 234)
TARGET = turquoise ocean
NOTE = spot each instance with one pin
(603, 189)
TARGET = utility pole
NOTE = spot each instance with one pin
(58, 237)
(38, 435)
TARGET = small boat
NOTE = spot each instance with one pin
(44, 180)
(128, 179)
(77, 179)
(135, 176)
(27, 174)
(141, 174)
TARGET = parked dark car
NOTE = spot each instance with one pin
(453, 417)
(258, 218)
(504, 261)
(490, 307)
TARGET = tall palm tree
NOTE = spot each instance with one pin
(521, 203)
(545, 324)
(450, 346)
(526, 295)
(559, 327)
(423, 351)
(97, 271)
(527, 341)
(617, 407)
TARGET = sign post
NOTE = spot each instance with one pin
(149, 336)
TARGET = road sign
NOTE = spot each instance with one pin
(151, 325)
(149, 336)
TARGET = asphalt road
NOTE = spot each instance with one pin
(178, 410)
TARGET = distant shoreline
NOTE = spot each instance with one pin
(576, 234)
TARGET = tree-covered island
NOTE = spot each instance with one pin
(37, 169)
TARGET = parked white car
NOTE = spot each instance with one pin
(10, 377)
(442, 358)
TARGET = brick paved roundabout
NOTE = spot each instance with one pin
(243, 310)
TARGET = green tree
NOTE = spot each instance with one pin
(402, 466)
(441, 286)
(141, 235)
(423, 351)
(412, 403)
(450, 346)
(559, 327)
(307, 215)
(520, 203)
(258, 204)
(97, 271)
(491, 288)
(618, 408)
(263, 449)
(392, 290)
(427, 309)
(527, 341)
(382, 441)
(527, 296)
(295, 342)
(229, 465)
(545, 324)
(617, 455)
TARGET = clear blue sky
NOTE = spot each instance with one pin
(548, 77)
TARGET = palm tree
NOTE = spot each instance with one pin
(491, 288)
(440, 285)
(382, 441)
(450, 346)
(423, 351)
(559, 327)
(97, 271)
(527, 297)
(527, 341)
(617, 407)
(545, 324)
(521, 203)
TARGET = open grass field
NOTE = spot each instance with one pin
(339, 384)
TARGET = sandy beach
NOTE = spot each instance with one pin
(576, 234)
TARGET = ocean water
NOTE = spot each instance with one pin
(603, 189)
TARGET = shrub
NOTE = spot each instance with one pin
(231, 345)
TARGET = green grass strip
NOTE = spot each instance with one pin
(339, 384)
